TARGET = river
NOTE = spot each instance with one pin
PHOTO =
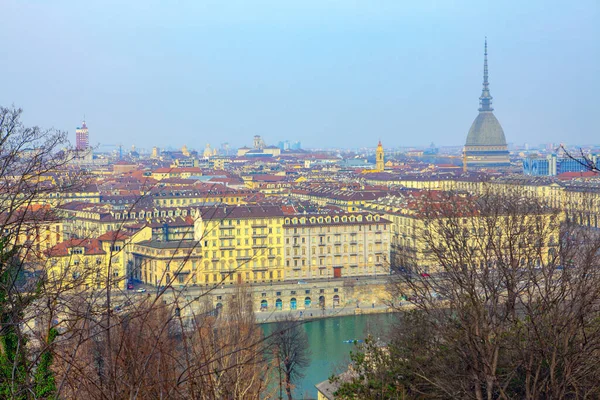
(329, 353)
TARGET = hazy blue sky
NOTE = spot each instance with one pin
(326, 72)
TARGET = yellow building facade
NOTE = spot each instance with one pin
(241, 243)
(94, 263)
(336, 245)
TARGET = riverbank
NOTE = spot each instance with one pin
(331, 341)
(313, 314)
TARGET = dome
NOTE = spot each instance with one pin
(486, 131)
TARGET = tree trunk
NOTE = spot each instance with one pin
(288, 385)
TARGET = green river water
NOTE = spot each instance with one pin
(329, 353)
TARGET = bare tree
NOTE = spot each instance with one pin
(582, 158)
(158, 352)
(29, 161)
(505, 295)
(291, 352)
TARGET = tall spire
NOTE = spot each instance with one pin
(485, 101)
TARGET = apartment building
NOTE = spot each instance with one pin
(335, 245)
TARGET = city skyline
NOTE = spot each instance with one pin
(256, 199)
(318, 73)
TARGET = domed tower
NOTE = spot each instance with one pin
(379, 163)
(486, 143)
(185, 151)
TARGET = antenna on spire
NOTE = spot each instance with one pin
(485, 100)
(485, 65)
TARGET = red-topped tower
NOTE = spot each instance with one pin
(82, 138)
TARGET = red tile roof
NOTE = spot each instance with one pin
(90, 247)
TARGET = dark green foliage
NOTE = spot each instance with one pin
(13, 360)
(45, 386)
(15, 363)
(376, 374)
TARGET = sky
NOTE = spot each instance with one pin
(330, 73)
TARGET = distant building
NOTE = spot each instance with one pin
(208, 152)
(379, 162)
(260, 149)
(486, 143)
(286, 145)
(225, 148)
(243, 150)
(553, 165)
(259, 144)
(185, 151)
(82, 138)
(432, 150)
(283, 146)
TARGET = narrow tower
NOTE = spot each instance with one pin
(82, 139)
(486, 143)
(379, 161)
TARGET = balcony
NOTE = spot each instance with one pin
(260, 235)
(227, 236)
(260, 225)
(227, 227)
(182, 272)
(227, 271)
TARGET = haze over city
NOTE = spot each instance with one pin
(328, 73)
(318, 199)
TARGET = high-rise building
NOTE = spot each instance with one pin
(82, 139)
(379, 162)
(486, 143)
